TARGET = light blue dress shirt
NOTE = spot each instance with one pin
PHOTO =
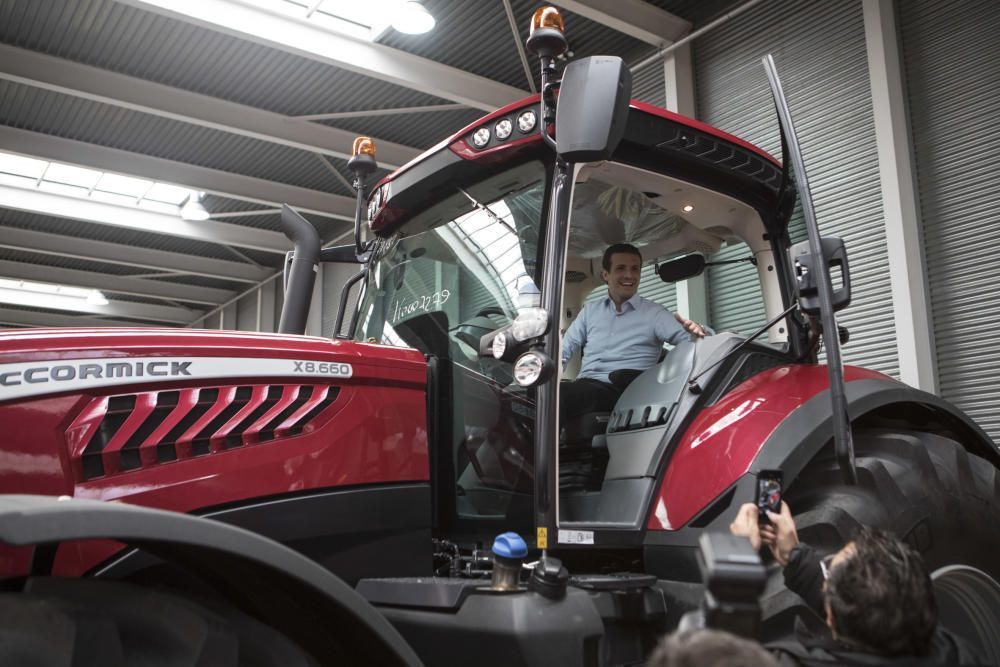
(612, 340)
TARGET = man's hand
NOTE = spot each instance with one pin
(691, 326)
(745, 524)
(780, 534)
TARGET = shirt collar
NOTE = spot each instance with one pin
(633, 302)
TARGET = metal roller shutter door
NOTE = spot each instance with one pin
(952, 67)
(820, 51)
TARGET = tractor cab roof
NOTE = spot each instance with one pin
(672, 169)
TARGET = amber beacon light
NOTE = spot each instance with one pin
(547, 17)
(363, 146)
(546, 38)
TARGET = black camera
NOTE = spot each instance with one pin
(734, 580)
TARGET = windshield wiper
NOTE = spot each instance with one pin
(487, 210)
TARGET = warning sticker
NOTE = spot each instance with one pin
(543, 538)
(576, 537)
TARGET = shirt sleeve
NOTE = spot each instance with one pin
(668, 329)
(575, 337)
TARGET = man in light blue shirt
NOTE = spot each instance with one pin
(621, 332)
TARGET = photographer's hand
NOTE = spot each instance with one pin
(780, 534)
(745, 524)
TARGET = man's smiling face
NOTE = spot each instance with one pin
(623, 277)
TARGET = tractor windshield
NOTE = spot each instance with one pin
(452, 274)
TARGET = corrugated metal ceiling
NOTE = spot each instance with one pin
(139, 43)
(473, 36)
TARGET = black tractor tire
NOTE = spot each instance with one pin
(928, 490)
(91, 623)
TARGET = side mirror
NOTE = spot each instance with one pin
(592, 108)
(682, 268)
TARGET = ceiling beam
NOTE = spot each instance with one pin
(120, 90)
(133, 217)
(139, 311)
(114, 253)
(222, 183)
(635, 18)
(26, 318)
(110, 283)
(308, 40)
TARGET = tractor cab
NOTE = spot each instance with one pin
(469, 266)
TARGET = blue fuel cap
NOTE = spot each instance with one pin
(510, 545)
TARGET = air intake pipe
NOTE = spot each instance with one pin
(301, 274)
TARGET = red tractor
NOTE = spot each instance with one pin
(394, 455)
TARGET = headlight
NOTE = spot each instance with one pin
(529, 323)
(503, 128)
(532, 367)
(526, 121)
(481, 137)
(499, 345)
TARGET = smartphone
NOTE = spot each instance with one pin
(768, 493)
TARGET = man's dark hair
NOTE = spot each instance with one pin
(709, 648)
(881, 597)
(619, 247)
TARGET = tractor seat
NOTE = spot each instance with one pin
(579, 431)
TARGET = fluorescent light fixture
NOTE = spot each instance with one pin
(19, 165)
(168, 194)
(193, 208)
(413, 18)
(123, 185)
(48, 295)
(70, 175)
(64, 179)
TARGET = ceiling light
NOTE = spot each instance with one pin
(193, 208)
(170, 194)
(123, 185)
(412, 18)
(688, 208)
(48, 295)
(22, 166)
(70, 175)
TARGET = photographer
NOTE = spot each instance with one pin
(709, 648)
(874, 594)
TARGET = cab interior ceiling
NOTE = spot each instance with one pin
(614, 202)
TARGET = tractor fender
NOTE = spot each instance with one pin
(875, 403)
(263, 578)
(780, 419)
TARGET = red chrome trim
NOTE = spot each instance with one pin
(724, 439)
(226, 396)
(82, 429)
(111, 454)
(318, 396)
(187, 399)
(252, 434)
(698, 125)
(258, 395)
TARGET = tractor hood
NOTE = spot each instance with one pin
(41, 362)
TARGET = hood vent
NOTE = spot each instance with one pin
(135, 431)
